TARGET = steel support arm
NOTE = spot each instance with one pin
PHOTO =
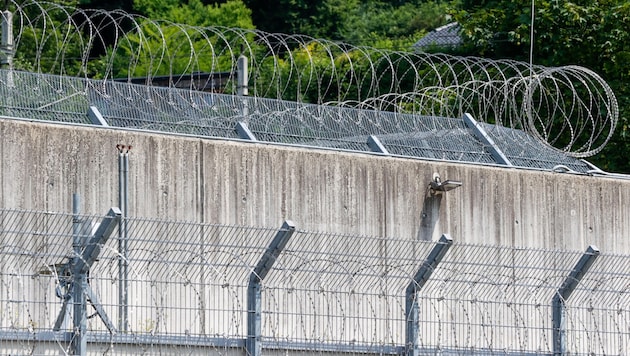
(562, 296)
(483, 136)
(93, 246)
(254, 302)
(419, 280)
(244, 132)
(376, 145)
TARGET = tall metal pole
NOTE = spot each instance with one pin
(242, 76)
(242, 83)
(125, 212)
(411, 293)
(76, 224)
(79, 339)
(123, 241)
(6, 44)
(79, 282)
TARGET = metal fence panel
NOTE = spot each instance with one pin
(68, 99)
(325, 292)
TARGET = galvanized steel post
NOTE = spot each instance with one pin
(123, 240)
(242, 76)
(564, 293)
(6, 44)
(79, 283)
(254, 288)
(419, 280)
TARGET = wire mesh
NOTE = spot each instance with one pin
(217, 115)
(187, 292)
(341, 291)
(570, 108)
(602, 302)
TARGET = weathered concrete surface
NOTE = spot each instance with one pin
(224, 182)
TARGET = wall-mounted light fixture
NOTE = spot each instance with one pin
(437, 185)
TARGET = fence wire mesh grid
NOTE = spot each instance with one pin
(67, 99)
(188, 288)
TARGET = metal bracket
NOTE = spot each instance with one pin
(419, 280)
(243, 131)
(254, 288)
(483, 136)
(78, 290)
(96, 117)
(564, 293)
(376, 145)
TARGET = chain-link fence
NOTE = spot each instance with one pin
(203, 288)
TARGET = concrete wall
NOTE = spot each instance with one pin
(225, 182)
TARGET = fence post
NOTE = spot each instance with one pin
(563, 294)
(123, 239)
(254, 305)
(79, 281)
(419, 280)
(6, 42)
(86, 253)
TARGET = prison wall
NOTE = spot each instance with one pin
(257, 184)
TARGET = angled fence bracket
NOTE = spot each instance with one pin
(419, 280)
(96, 117)
(244, 132)
(564, 293)
(79, 292)
(483, 136)
(376, 145)
(254, 288)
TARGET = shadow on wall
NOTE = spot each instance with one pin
(431, 205)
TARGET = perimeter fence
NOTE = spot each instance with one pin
(362, 128)
(187, 288)
(304, 91)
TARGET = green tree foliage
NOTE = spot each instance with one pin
(320, 72)
(232, 13)
(390, 24)
(126, 5)
(384, 25)
(288, 16)
(49, 41)
(190, 41)
(593, 34)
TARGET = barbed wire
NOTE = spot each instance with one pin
(570, 108)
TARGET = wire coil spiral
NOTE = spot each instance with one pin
(569, 108)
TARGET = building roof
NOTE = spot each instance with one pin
(446, 36)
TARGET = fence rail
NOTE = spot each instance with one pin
(192, 288)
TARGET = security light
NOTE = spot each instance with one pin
(438, 186)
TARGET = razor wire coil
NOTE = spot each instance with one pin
(569, 108)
